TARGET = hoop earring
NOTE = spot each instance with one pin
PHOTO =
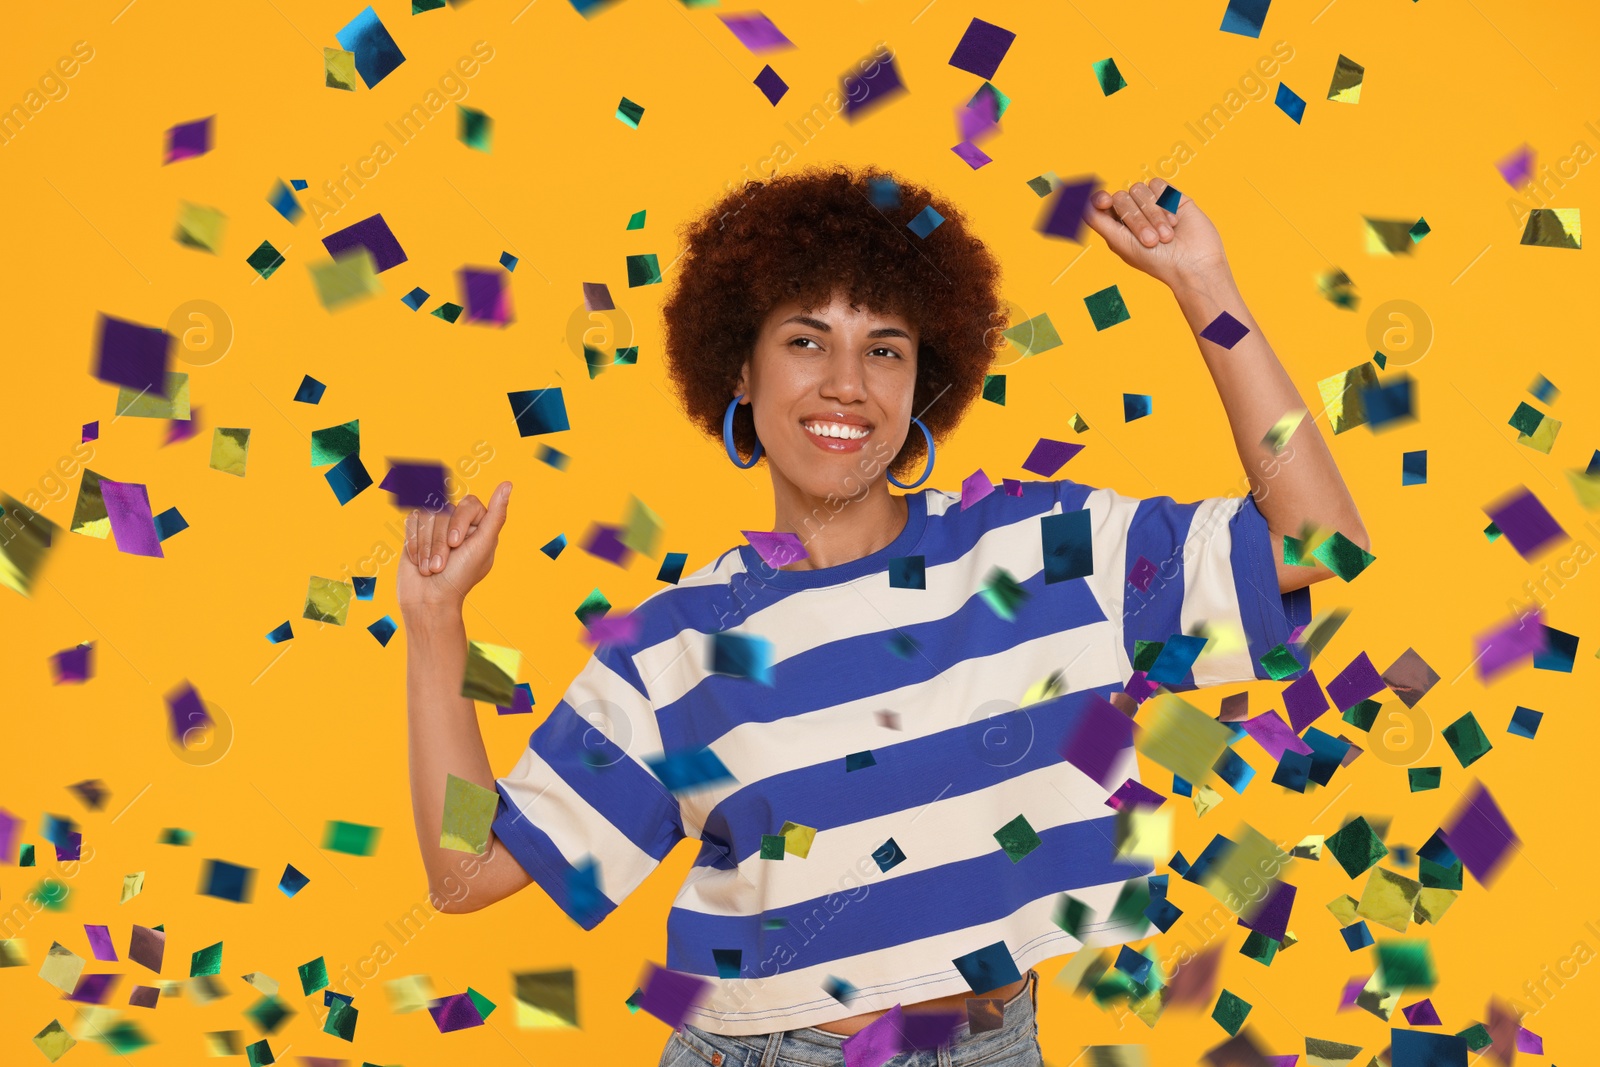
(927, 470)
(727, 437)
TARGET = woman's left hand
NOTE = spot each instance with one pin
(1173, 247)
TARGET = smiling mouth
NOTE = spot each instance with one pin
(836, 431)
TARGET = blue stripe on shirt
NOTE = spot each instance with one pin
(1268, 615)
(952, 896)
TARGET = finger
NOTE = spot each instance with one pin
(1127, 210)
(1108, 226)
(411, 537)
(467, 515)
(435, 551)
(1146, 199)
(1160, 186)
(495, 517)
(424, 540)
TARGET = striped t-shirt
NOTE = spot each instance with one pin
(853, 851)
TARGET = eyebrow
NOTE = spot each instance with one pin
(818, 324)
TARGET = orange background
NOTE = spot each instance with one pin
(319, 723)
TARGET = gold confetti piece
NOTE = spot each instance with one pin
(328, 600)
(1036, 335)
(1321, 630)
(230, 449)
(1078, 425)
(1587, 489)
(340, 69)
(26, 545)
(1542, 439)
(1343, 908)
(1433, 903)
(349, 277)
(491, 673)
(1277, 438)
(641, 530)
(1388, 899)
(1182, 738)
(1321, 1053)
(1205, 798)
(13, 953)
(143, 404)
(1238, 878)
(200, 227)
(468, 810)
(547, 999)
(412, 993)
(1391, 237)
(1376, 999)
(1143, 833)
(224, 1043)
(1554, 227)
(262, 983)
(1309, 848)
(1049, 687)
(1222, 638)
(1341, 396)
(132, 886)
(797, 839)
(89, 515)
(62, 967)
(1346, 85)
(53, 1041)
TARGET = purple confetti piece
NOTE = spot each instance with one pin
(1274, 735)
(597, 297)
(132, 524)
(72, 850)
(925, 1031)
(977, 119)
(1422, 1013)
(188, 140)
(1528, 1041)
(1517, 168)
(1271, 919)
(188, 711)
(91, 431)
(522, 704)
(602, 541)
(9, 825)
(1352, 990)
(615, 629)
(1063, 215)
(1479, 834)
(771, 84)
(1304, 701)
(416, 485)
(100, 943)
(1135, 794)
(371, 233)
(183, 429)
(971, 154)
(981, 48)
(133, 355)
(776, 548)
(1507, 646)
(73, 664)
(975, 488)
(455, 1012)
(756, 32)
(1011, 486)
(94, 988)
(1140, 687)
(669, 995)
(1049, 456)
(882, 84)
(1102, 734)
(1355, 683)
(1143, 573)
(876, 1043)
(487, 296)
(1526, 523)
(1225, 330)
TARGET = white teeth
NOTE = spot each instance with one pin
(834, 429)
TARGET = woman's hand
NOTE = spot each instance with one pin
(448, 552)
(1174, 247)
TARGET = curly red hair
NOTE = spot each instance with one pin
(804, 236)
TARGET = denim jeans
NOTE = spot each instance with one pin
(1014, 1044)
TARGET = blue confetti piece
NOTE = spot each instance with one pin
(926, 221)
(1290, 103)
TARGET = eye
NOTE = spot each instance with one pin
(807, 340)
(892, 352)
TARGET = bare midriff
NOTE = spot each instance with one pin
(954, 1002)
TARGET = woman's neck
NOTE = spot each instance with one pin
(838, 529)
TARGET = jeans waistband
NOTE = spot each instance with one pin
(1018, 1012)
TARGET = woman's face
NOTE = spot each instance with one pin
(832, 390)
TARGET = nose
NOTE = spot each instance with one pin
(846, 376)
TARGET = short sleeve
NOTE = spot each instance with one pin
(1164, 567)
(580, 810)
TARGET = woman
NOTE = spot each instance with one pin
(887, 832)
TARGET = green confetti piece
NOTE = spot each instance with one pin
(643, 270)
(1405, 965)
(1145, 653)
(447, 311)
(1260, 947)
(1230, 1012)
(1422, 779)
(594, 604)
(1343, 556)
(1106, 308)
(1362, 714)
(205, 961)
(1072, 914)
(333, 443)
(473, 128)
(313, 976)
(773, 846)
(1132, 901)
(265, 260)
(341, 1020)
(172, 835)
(259, 1054)
(1526, 418)
(1280, 663)
(1017, 838)
(349, 837)
(629, 113)
(124, 1037)
(636, 221)
(469, 811)
(1476, 1036)
(994, 389)
(1109, 77)
(1003, 593)
(484, 1005)
(1467, 739)
(1356, 847)
(269, 1013)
